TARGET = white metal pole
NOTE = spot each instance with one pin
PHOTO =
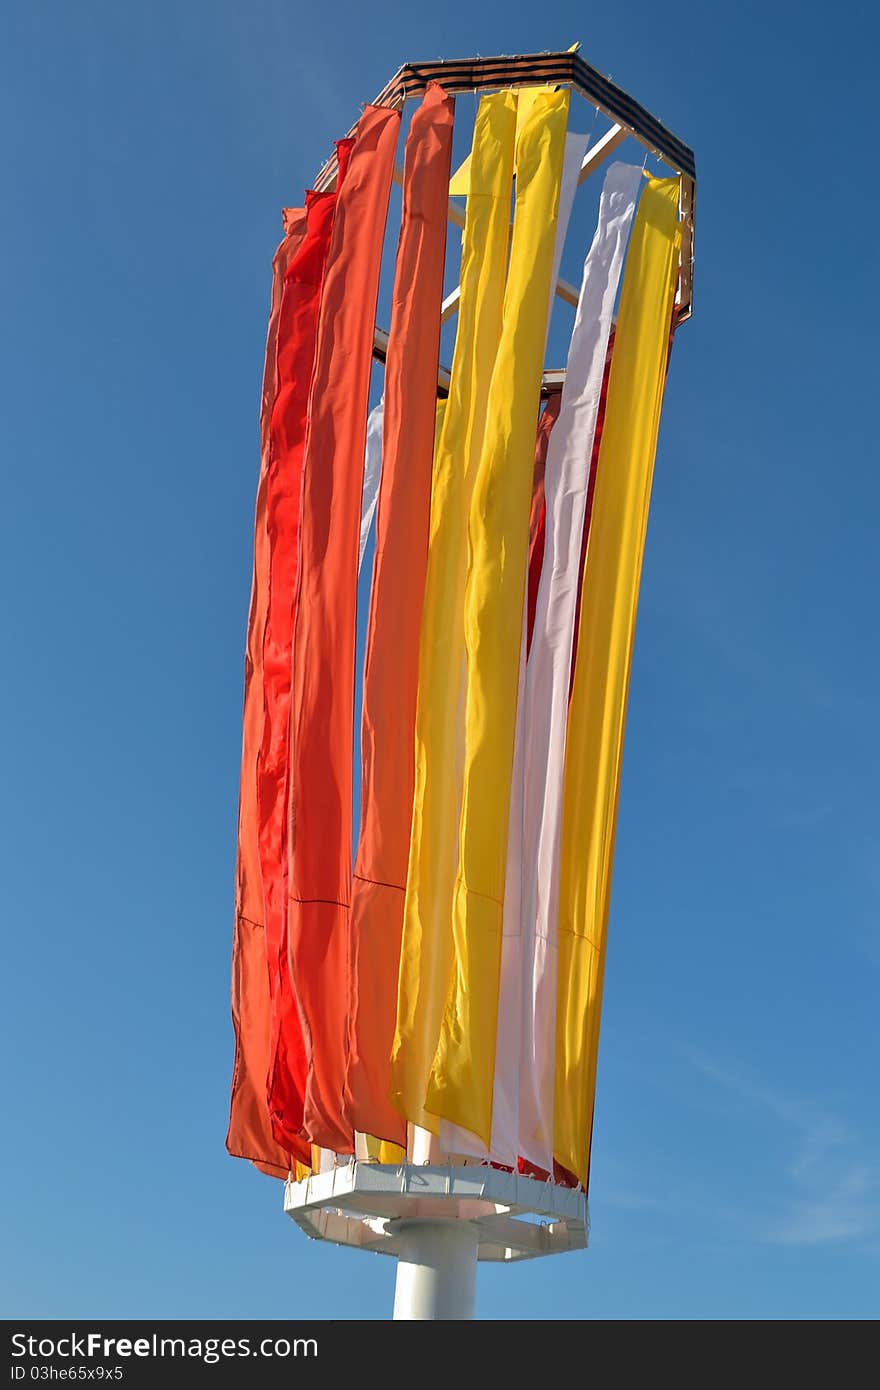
(436, 1270)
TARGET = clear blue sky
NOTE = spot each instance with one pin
(146, 152)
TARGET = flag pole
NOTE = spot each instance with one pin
(436, 1270)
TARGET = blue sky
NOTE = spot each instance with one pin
(146, 152)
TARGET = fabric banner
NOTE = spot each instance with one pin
(426, 946)
(572, 159)
(391, 660)
(250, 1133)
(538, 515)
(607, 624)
(372, 475)
(322, 707)
(528, 969)
(297, 336)
(597, 445)
(535, 857)
(460, 1088)
(453, 1139)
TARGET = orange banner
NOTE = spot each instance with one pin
(322, 704)
(391, 668)
(297, 337)
(250, 1133)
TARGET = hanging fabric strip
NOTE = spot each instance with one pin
(563, 1176)
(545, 711)
(369, 1149)
(572, 159)
(459, 184)
(391, 661)
(297, 335)
(538, 516)
(453, 1139)
(598, 705)
(372, 475)
(575, 148)
(460, 1088)
(322, 707)
(506, 1083)
(426, 945)
(289, 1065)
(250, 1132)
(597, 445)
(527, 997)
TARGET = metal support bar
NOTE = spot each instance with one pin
(598, 153)
(450, 305)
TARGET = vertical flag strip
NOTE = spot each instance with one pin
(572, 160)
(391, 661)
(538, 515)
(250, 1132)
(505, 1105)
(545, 710)
(322, 709)
(525, 98)
(455, 1140)
(372, 475)
(426, 946)
(460, 1087)
(297, 335)
(597, 445)
(607, 623)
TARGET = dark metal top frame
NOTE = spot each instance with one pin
(562, 70)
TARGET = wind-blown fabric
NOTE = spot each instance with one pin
(570, 501)
(459, 184)
(607, 623)
(538, 515)
(460, 1088)
(426, 946)
(372, 476)
(534, 857)
(391, 661)
(453, 1138)
(322, 707)
(297, 336)
(597, 445)
(443, 996)
(572, 159)
(250, 1131)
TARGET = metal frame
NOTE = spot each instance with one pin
(366, 1205)
(630, 120)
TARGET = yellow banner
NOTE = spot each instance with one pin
(426, 947)
(608, 616)
(498, 531)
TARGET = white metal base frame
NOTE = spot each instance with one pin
(438, 1221)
